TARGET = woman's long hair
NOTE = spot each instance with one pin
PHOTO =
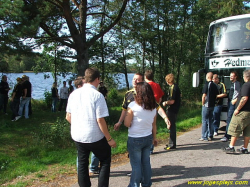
(145, 96)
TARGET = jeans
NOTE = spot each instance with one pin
(216, 117)
(14, 106)
(172, 138)
(54, 103)
(3, 102)
(207, 119)
(94, 163)
(139, 155)
(24, 103)
(230, 113)
(102, 151)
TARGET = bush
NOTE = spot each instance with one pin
(113, 99)
(48, 98)
(54, 135)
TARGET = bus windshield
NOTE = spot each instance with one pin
(229, 36)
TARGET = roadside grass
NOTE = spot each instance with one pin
(34, 145)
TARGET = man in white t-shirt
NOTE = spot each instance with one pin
(85, 112)
(64, 94)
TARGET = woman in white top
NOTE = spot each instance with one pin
(141, 123)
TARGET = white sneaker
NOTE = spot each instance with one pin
(215, 133)
(18, 117)
(224, 139)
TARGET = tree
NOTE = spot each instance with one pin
(69, 22)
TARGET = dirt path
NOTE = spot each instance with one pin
(193, 160)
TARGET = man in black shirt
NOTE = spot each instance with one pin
(240, 121)
(209, 94)
(103, 90)
(4, 89)
(15, 99)
(71, 88)
(218, 103)
(173, 103)
(25, 99)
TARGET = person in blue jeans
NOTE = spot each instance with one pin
(141, 123)
(94, 163)
(209, 94)
(26, 98)
(218, 103)
(232, 98)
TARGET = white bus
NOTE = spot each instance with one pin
(227, 50)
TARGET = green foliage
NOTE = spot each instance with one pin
(113, 97)
(54, 135)
(48, 98)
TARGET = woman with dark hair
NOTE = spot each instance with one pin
(141, 123)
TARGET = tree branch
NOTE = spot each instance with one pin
(76, 3)
(97, 13)
(96, 37)
(59, 39)
(58, 5)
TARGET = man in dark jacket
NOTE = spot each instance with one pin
(4, 89)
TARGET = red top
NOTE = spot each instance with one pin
(158, 93)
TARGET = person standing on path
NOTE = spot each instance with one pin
(129, 97)
(218, 103)
(141, 123)
(4, 90)
(209, 94)
(158, 93)
(241, 118)
(173, 103)
(86, 112)
(232, 98)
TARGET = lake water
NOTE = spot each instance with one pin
(40, 85)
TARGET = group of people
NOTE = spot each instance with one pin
(86, 112)
(238, 114)
(20, 98)
(62, 96)
(65, 92)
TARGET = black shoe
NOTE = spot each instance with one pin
(129, 174)
(167, 148)
(243, 151)
(228, 149)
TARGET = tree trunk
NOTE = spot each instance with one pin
(83, 61)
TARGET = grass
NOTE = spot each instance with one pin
(34, 145)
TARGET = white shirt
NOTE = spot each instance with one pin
(86, 105)
(142, 123)
(64, 94)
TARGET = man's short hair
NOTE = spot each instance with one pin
(140, 74)
(91, 74)
(170, 78)
(246, 74)
(149, 75)
(3, 77)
